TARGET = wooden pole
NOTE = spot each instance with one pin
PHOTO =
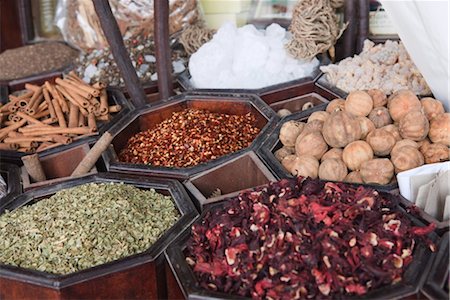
(120, 53)
(363, 26)
(163, 56)
(349, 34)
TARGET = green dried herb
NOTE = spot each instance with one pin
(84, 226)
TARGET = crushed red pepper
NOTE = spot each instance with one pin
(303, 238)
(190, 137)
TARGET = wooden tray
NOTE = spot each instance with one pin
(58, 166)
(413, 280)
(140, 276)
(272, 143)
(242, 172)
(11, 176)
(438, 278)
(115, 96)
(149, 116)
(293, 96)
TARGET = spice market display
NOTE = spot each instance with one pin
(303, 239)
(54, 114)
(130, 221)
(366, 138)
(190, 137)
(321, 145)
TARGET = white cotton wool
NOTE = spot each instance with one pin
(246, 58)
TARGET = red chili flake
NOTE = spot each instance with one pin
(140, 60)
(303, 238)
(190, 137)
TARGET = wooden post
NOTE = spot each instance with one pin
(163, 56)
(363, 26)
(120, 53)
(350, 33)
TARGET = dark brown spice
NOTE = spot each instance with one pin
(35, 59)
(300, 238)
(190, 137)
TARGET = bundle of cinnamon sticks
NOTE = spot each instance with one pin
(53, 114)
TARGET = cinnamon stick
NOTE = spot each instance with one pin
(76, 100)
(93, 155)
(99, 85)
(103, 103)
(15, 118)
(62, 102)
(27, 150)
(26, 95)
(83, 86)
(4, 131)
(73, 115)
(61, 139)
(104, 118)
(92, 124)
(81, 121)
(115, 108)
(32, 87)
(50, 121)
(54, 130)
(38, 103)
(46, 146)
(28, 118)
(35, 97)
(48, 100)
(43, 146)
(34, 168)
(54, 91)
(72, 100)
(27, 139)
(73, 89)
(23, 102)
(7, 146)
(59, 114)
(41, 114)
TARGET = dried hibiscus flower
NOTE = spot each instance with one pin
(303, 238)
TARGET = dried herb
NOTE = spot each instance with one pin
(190, 137)
(84, 226)
(303, 239)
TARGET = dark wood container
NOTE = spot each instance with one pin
(437, 283)
(413, 277)
(323, 82)
(9, 87)
(3, 94)
(140, 276)
(39, 79)
(115, 96)
(152, 91)
(11, 176)
(151, 115)
(185, 81)
(293, 96)
(58, 166)
(240, 173)
(272, 143)
(441, 226)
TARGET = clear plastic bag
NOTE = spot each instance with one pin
(81, 28)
